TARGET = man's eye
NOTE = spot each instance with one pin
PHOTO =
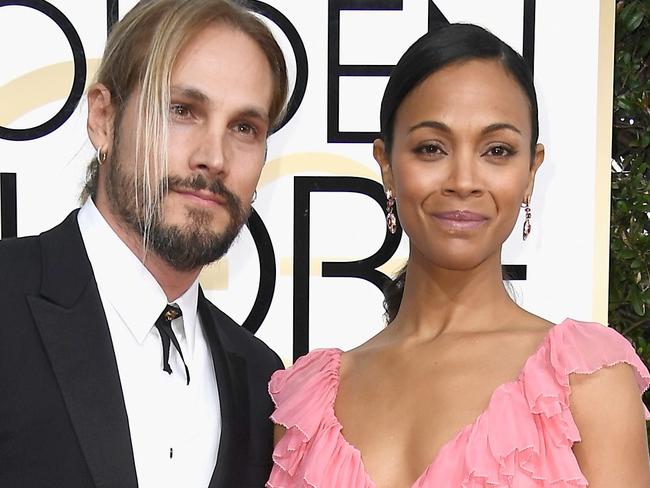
(179, 110)
(245, 129)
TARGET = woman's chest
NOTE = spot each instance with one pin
(400, 419)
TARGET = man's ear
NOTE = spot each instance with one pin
(381, 156)
(101, 117)
(538, 159)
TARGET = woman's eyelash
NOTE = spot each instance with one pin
(501, 151)
(430, 148)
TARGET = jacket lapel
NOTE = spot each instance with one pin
(71, 321)
(231, 372)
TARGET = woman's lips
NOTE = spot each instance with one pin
(460, 220)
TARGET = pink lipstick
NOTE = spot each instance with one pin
(460, 220)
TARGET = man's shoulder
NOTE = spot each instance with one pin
(16, 251)
(22, 258)
(17, 248)
(241, 339)
(21, 268)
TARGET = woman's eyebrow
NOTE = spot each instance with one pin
(500, 126)
(432, 124)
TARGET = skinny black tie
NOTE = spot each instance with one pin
(167, 336)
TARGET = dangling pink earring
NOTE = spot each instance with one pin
(527, 225)
(391, 221)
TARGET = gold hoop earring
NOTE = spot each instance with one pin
(101, 157)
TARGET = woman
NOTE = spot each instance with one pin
(463, 388)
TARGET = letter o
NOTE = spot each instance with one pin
(76, 92)
(299, 51)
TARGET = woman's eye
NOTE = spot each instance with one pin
(429, 149)
(499, 152)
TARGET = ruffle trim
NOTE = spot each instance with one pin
(494, 451)
(313, 432)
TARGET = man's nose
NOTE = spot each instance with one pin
(209, 154)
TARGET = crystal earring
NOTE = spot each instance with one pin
(391, 221)
(527, 225)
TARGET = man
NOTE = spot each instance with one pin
(116, 370)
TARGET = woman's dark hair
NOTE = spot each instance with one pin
(444, 46)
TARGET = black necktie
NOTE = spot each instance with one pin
(167, 336)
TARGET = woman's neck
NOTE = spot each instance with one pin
(437, 300)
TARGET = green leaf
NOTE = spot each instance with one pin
(635, 20)
(625, 14)
(630, 18)
(624, 104)
(645, 140)
(629, 280)
(639, 308)
(645, 48)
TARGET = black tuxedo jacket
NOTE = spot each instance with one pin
(63, 423)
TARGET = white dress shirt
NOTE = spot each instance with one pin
(175, 428)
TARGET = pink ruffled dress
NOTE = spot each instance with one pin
(531, 449)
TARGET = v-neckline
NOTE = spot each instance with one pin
(455, 437)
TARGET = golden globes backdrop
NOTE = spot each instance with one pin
(307, 270)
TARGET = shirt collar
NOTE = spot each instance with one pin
(126, 283)
(188, 303)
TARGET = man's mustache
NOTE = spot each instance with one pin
(200, 182)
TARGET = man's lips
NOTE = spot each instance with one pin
(204, 197)
(460, 219)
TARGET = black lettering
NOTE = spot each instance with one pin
(514, 272)
(365, 268)
(436, 17)
(299, 51)
(529, 34)
(79, 81)
(112, 14)
(8, 205)
(266, 287)
(335, 70)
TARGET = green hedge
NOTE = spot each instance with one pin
(629, 278)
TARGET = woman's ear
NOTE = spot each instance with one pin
(101, 116)
(538, 159)
(381, 156)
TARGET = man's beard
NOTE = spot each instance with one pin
(184, 246)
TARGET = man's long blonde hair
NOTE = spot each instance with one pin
(140, 54)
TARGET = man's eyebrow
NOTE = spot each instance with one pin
(256, 113)
(199, 96)
(190, 92)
